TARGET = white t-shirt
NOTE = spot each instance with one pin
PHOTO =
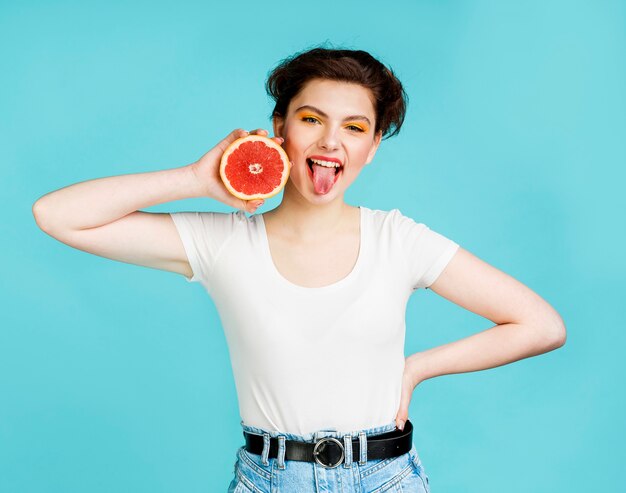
(307, 359)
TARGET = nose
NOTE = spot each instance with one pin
(329, 139)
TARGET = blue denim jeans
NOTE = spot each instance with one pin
(261, 474)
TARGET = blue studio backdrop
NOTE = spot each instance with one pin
(115, 377)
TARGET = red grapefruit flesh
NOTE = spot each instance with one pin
(254, 167)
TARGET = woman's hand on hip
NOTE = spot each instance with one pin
(410, 379)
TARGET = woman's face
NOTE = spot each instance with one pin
(328, 122)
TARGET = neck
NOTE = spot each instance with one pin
(306, 221)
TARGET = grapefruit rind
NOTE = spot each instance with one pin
(270, 143)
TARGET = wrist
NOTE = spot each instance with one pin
(417, 368)
(198, 185)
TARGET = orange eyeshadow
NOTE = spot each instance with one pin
(363, 127)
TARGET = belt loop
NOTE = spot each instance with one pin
(362, 447)
(266, 449)
(281, 452)
(347, 450)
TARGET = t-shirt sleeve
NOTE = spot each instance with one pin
(426, 252)
(203, 235)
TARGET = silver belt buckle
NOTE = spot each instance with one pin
(322, 445)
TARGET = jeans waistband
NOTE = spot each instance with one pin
(316, 435)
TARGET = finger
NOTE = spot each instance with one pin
(259, 131)
(401, 419)
(253, 205)
(279, 140)
(231, 137)
(403, 410)
(236, 134)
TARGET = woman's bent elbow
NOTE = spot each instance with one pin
(37, 214)
(558, 335)
(549, 333)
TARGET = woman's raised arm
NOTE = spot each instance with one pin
(102, 216)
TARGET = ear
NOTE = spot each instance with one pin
(278, 123)
(375, 144)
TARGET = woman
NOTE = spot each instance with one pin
(312, 295)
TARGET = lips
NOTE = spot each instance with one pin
(325, 162)
(309, 163)
(310, 166)
(326, 158)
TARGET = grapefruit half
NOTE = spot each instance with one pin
(254, 167)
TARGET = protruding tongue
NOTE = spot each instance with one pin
(323, 178)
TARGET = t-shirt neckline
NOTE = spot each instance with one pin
(269, 261)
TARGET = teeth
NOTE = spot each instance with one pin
(327, 164)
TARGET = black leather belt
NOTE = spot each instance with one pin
(329, 451)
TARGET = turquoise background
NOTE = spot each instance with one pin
(115, 377)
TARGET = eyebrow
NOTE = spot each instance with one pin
(321, 113)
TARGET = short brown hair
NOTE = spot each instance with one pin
(288, 78)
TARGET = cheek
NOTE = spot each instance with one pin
(294, 149)
(363, 153)
(292, 152)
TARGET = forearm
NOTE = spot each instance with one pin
(493, 347)
(100, 201)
